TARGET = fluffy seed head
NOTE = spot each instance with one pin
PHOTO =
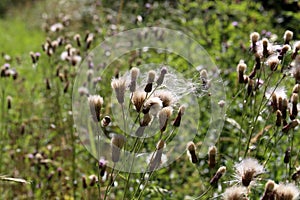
(165, 96)
(235, 193)
(247, 170)
(273, 62)
(137, 99)
(119, 86)
(286, 192)
(288, 36)
(296, 88)
(134, 73)
(152, 106)
(95, 103)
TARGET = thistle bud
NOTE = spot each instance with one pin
(221, 171)
(9, 100)
(180, 113)
(66, 87)
(269, 188)
(150, 80)
(84, 184)
(294, 100)
(105, 121)
(290, 125)
(257, 62)
(241, 68)
(95, 103)
(163, 117)
(134, 72)
(265, 43)
(296, 49)
(119, 86)
(93, 179)
(287, 155)
(296, 88)
(191, 151)
(117, 143)
(296, 175)
(283, 51)
(254, 37)
(288, 36)
(273, 62)
(161, 77)
(274, 102)
(102, 166)
(156, 160)
(77, 39)
(212, 152)
(278, 118)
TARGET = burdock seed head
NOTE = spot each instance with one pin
(95, 103)
(119, 86)
(191, 151)
(288, 36)
(117, 143)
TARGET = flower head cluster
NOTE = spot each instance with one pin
(248, 170)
